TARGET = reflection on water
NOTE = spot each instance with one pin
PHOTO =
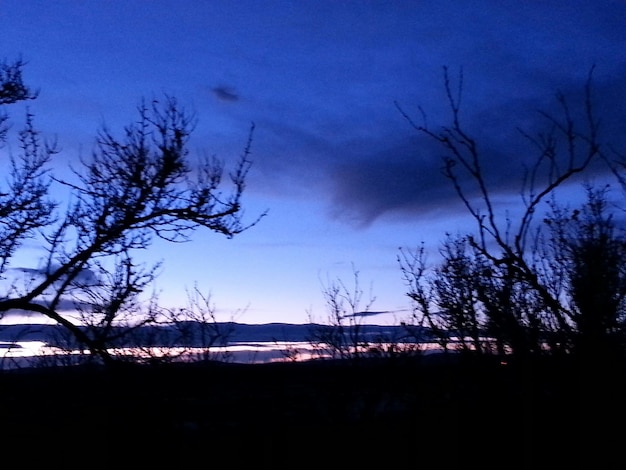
(24, 349)
(33, 353)
(18, 353)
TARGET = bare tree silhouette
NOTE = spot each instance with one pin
(531, 284)
(132, 190)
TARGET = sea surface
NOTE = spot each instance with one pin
(39, 345)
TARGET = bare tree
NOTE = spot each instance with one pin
(503, 280)
(340, 335)
(12, 86)
(454, 285)
(24, 203)
(198, 330)
(12, 90)
(132, 190)
(417, 276)
(588, 251)
(25, 206)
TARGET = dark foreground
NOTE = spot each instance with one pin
(380, 414)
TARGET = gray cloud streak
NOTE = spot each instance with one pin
(225, 93)
(407, 177)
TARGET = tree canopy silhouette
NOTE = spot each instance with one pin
(545, 282)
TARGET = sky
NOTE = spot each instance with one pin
(344, 177)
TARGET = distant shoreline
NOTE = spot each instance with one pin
(235, 332)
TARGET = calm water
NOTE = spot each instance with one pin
(22, 353)
(34, 353)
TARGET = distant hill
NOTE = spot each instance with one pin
(196, 334)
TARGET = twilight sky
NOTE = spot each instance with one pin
(345, 178)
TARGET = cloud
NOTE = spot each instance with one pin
(403, 173)
(336, 136)
(399, 178)
(366, 314)
(85, 276)
(225, 93)
(29, 276)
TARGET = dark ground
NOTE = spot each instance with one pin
(379, 414)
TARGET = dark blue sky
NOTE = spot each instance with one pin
(345, 178)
